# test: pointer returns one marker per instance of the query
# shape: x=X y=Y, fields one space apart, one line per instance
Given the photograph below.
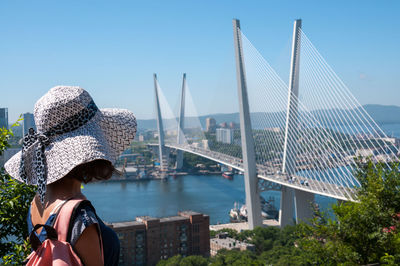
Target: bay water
x=210 y=194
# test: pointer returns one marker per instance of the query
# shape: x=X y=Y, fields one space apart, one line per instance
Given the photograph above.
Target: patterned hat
x=71 y=130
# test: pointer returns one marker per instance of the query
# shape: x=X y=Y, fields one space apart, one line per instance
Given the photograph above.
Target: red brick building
x=147 y=240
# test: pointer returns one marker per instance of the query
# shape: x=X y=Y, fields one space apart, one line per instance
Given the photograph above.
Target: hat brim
x=105 y=136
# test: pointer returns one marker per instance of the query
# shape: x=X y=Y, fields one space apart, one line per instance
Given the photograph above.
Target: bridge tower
x=302 y=199
x=249 y=158
x=161 y=144
x=181 y=125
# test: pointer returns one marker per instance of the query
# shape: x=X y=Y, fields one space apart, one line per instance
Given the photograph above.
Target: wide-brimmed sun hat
x=71 y=130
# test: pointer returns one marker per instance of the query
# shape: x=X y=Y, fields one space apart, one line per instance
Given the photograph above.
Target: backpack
x=56 y=250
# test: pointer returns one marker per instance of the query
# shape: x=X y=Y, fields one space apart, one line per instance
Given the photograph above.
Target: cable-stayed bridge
x=301 y=138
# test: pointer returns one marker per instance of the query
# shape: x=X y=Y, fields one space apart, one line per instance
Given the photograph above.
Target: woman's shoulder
x=85 y=216
x=82 y=217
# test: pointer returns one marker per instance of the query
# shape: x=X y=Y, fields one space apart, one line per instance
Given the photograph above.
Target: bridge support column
x=303 y=199
x=249 y=158
x=161 y=145
x=166 y=158
x=304 y=205
x=181 y=125
x=286 y=210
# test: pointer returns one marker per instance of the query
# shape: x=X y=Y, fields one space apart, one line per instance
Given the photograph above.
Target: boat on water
x=243 y=212
x=228 y=175
x=142 y=175
x=236 y=214
x=268 y=211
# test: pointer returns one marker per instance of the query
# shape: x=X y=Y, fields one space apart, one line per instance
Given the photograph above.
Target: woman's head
x=72 y=130
x=91 y=171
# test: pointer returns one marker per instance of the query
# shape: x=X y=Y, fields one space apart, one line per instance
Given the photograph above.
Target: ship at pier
x=268 y=211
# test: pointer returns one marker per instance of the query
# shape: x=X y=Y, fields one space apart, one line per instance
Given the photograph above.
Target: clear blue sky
x=112 y=48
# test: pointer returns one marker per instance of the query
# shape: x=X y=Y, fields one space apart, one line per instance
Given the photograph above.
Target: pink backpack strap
x=63 y=218
x=61 y=224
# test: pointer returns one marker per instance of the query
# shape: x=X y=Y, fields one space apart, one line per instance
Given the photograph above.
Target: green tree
x=236 y=258
x=15 y=198
x=366 y=231
x=191 y=160
x=178 y=260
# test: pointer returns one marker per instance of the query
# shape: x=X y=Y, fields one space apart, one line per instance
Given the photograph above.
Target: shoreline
x=177 y=174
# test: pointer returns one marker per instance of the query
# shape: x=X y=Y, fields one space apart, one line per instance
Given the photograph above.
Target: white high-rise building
x=211 y=124
x=29 y=122
x=225 y=135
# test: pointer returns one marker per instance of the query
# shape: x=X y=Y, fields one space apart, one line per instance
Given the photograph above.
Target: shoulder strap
x=62 y=223
x=35 y=241
x=63 y=218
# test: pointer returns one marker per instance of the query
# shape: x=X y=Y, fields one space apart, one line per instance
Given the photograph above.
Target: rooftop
x=140 y=220
x=241 y=226
x=190 y=213
x=125 y=224
x=229 y=243
x=173 y=218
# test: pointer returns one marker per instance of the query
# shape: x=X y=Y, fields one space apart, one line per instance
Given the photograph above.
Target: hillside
x=382 y=114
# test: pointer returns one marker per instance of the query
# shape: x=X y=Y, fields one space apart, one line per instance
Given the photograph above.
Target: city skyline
x=106 y=47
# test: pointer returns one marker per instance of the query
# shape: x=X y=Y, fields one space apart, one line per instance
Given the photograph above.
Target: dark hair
x=97 y=170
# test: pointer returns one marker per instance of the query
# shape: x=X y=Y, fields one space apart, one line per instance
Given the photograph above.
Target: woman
x=75 y=143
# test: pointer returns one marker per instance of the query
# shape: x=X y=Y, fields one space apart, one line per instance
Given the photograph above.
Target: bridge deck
x=270 y=174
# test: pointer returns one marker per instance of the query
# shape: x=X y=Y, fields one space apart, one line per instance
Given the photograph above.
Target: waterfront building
x=28 y=122
x=211 y=125
x=388 y=139
x=273 y=129
x=4 y=118
x=365 y=152
x=205 y=144
x=148 y=240
x=222 y=241
x=225 y=135
x=223 y=125
x=397 y=143
x=232 y=125
x=196 y=145
x=171 y=132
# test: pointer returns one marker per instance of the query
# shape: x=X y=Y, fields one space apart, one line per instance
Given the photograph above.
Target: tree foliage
x=178 y=260
x=14 y=203
x=190 y=161
x=361 y=233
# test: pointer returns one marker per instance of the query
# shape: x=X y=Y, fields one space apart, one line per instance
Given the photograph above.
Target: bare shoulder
x=88 y=246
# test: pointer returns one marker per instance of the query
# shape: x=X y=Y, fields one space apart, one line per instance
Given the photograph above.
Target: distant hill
x=382 y=114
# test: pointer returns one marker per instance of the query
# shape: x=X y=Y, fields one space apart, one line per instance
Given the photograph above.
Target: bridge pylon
x=181 y=125
x=249 y=158
x=162 y=152
x=302 y=199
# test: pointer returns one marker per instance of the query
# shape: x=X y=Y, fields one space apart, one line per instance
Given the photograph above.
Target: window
x=120 y=235
x=196 y=249
x=196 y=228
x=183 y=237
